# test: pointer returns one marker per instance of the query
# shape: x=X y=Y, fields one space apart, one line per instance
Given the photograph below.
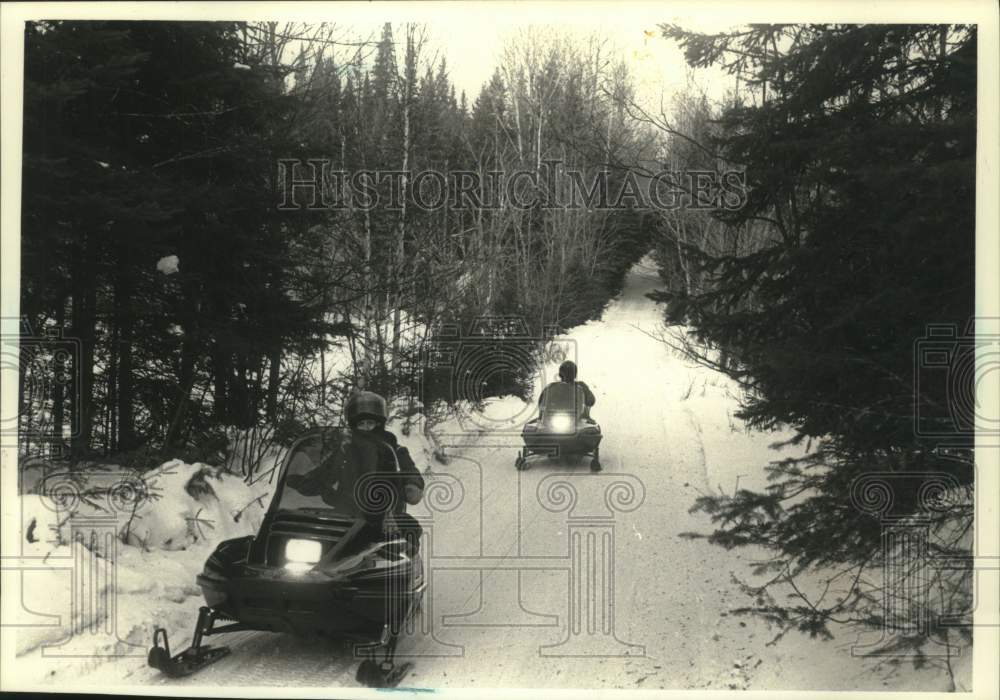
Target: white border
x=982 y=12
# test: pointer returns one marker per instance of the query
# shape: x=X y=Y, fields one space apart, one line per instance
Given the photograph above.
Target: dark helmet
x=567 y=371
x=365 y=404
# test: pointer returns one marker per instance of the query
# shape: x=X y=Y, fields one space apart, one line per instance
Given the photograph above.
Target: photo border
x=981 y=12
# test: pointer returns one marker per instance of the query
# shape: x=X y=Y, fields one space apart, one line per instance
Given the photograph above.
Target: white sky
x=471 y=39
x=657 y=64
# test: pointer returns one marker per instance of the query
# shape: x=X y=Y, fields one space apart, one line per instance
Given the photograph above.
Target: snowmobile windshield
x=323 y=469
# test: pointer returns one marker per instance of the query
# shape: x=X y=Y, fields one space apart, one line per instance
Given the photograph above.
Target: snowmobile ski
x=196 y=656
x=186 y=662
x=385 y=675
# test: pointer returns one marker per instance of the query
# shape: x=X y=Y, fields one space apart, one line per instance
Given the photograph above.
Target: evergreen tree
x=858 y=144
x=144 y=140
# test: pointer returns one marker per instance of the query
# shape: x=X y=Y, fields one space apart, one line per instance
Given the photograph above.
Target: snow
x=336 y=363
x=493 y=414
x=168 y=265
x=40 y=526
x=144 y=573
x=668 y=427
x=194 y=503
x=505 y=411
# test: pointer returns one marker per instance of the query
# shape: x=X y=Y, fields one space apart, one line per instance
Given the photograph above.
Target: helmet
x=567 y=371
x=365 y=404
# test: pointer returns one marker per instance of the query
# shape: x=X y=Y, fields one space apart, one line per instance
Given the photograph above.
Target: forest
x=149 y=141
x=172 y=305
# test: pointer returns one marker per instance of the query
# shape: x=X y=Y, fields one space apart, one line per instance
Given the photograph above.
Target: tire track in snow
x=700 y=444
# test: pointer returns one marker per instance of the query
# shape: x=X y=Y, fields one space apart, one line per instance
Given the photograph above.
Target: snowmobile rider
x=366 y=413
x=567 y=374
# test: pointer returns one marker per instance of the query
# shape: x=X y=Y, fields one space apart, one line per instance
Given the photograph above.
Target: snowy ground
x=502 y=591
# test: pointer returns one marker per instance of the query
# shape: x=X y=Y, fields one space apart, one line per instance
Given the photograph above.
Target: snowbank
x=170 y=508
x=117 y=554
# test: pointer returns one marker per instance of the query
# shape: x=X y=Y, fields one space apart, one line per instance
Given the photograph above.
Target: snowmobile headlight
x=302 y=552
x=562 y=423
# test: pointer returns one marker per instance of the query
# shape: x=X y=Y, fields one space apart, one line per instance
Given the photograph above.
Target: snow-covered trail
x=493 y=608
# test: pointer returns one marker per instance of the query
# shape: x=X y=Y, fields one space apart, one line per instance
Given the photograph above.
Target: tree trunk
x=409 y=71
x=322 y=375
x=367 y=317
x=185 y=384
x=124 y=323
x=84 y=318
x=942 y=57
x=241 y=392
x=190 y=342
x=273 y=381
x=401 y=228
x=220 y=378
x=680 y=237
x=60 y=371
x=517 y=122
x=111 y=393
x=538 y=144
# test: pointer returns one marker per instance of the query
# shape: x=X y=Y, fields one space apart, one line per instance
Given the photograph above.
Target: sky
x=471 y=39
x=657 y=64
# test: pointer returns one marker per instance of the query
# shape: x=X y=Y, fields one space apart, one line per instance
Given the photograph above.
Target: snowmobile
x=326 y=560
x=562 y=430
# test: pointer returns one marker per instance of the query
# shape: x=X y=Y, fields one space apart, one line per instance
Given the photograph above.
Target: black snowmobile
x=325 y=561
x=562 y=430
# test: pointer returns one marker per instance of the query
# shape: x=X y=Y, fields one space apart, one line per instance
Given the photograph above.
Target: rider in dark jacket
x=567 y=374
x=366 y=413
